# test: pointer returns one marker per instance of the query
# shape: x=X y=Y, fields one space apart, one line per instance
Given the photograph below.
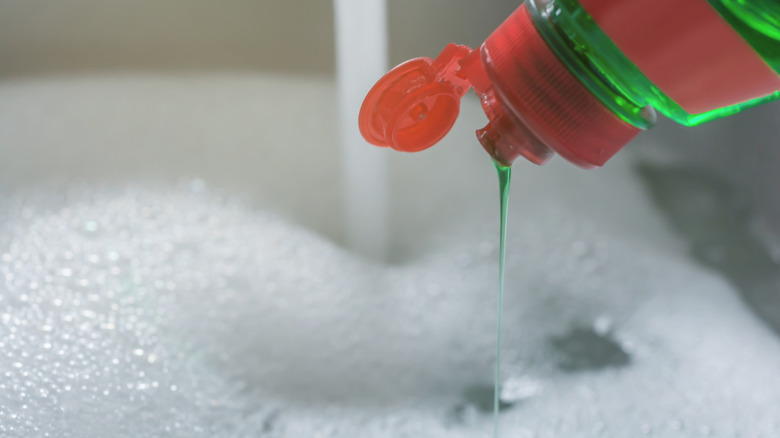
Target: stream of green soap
x=504 y=177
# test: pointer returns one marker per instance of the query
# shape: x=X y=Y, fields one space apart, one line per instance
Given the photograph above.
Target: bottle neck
x=536 y=104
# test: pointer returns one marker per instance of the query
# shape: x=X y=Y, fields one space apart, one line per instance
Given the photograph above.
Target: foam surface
x=148 y=310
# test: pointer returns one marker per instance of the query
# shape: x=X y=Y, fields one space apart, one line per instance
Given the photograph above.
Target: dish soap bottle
x=581 y=78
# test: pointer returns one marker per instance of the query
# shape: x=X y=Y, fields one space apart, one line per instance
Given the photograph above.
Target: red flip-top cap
x=414 y=105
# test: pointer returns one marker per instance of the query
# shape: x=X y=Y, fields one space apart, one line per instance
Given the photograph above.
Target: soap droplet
x=516 y=389
x=90 y=226
x=602 y=325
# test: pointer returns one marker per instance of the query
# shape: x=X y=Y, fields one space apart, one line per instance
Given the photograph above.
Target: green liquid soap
x=504 y=177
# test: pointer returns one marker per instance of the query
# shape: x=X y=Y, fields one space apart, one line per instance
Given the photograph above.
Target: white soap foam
x=149 y=311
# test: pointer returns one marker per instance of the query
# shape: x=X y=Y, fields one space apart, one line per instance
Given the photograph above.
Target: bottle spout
x=505 y=138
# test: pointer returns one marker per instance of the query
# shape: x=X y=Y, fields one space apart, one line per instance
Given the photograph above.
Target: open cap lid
x=415 y=105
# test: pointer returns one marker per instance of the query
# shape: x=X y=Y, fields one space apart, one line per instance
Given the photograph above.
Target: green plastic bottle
x=581 y=78
x=751 y=29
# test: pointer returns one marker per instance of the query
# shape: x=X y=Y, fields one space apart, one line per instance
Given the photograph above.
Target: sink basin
x=172 y=264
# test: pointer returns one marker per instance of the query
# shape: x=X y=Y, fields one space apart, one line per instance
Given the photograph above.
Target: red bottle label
x=687 y=50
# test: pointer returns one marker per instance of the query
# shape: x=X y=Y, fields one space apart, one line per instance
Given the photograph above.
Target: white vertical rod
x=361 y=51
